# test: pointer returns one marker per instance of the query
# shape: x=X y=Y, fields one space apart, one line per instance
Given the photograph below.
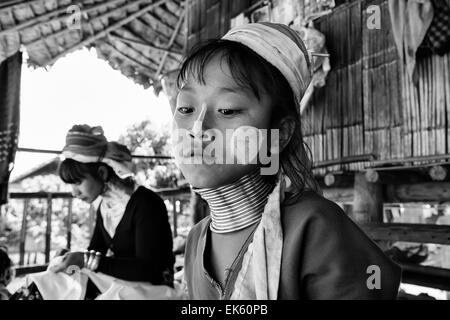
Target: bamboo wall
x=209 y=19
x=369 y=105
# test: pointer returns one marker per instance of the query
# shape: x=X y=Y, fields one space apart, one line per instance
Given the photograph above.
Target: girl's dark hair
x=251 y=71
x=5 y=267
x=73 y=172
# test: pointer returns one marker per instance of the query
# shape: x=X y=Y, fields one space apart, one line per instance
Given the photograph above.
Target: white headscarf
x=282 y=47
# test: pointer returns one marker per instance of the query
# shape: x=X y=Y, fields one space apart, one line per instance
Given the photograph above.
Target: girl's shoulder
x=312 y=215
x=312 y=206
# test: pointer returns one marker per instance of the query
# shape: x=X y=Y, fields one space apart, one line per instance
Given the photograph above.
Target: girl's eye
x=185 y=110
x=228 y=112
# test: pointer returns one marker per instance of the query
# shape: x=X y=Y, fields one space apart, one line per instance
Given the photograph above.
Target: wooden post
x=419 y=192
x=23 y=232
x=368 y=200
x=69 y=223
x=174 y=204
x=48 y=231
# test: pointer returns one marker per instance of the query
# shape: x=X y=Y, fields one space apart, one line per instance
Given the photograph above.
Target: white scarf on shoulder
x=259 y=276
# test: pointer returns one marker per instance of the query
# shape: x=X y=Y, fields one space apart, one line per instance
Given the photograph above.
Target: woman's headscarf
x=282 y=47
x=88 y=144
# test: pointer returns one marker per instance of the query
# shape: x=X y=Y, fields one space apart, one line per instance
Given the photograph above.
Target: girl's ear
x=103 y=173
x=287 y=128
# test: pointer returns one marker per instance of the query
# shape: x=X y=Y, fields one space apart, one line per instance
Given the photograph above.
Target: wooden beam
x=132 y=49
x=186 y=21
x=59 y=152
x=42 y=20
x=419 y=192
x=344 y=195
x=377 y=163
x=12 y=3
x=171 y=41
x=95 y=19
x=40 y=195
x=344 y=160
x=426 y=276
x=145 y=44
x=109 y=29
x=31 y=22
x=397 y=177
x=21 y=271
x=408 y=232
x=150 y=71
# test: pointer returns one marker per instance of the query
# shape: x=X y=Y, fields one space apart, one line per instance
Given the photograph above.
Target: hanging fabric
x=10 y=73
x=437 y=39
x=410 y=20
x=314 y=42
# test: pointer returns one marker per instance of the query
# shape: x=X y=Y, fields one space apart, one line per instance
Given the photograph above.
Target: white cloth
x=112 y=208
x=282 y=47
x=259 y=276
x=123 y=169
x=62 y=286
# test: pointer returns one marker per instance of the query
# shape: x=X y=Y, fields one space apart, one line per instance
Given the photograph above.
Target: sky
x=79 y=89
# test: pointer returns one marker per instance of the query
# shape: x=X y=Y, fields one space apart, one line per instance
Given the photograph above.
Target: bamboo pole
x=23 y=232
x=31 y=150
x=132 y=60
x=171 y=41
x=48 y=231
x=106 y=31
x=174 y=205
x=12 y=3
x=69 y=223
x=84 y=12
x=145 y=44
x=186 y=21
x=95 y=19
x=31 y=22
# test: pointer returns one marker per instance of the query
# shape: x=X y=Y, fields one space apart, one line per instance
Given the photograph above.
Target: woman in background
x=132 y=239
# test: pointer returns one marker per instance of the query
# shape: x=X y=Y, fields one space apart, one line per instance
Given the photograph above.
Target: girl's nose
x=203 y=122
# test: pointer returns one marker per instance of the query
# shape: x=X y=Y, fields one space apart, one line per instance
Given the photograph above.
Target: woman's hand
x=70 y=259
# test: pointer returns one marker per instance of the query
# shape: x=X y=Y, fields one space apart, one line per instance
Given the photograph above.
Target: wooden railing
x=174 y=195
x=427 y=276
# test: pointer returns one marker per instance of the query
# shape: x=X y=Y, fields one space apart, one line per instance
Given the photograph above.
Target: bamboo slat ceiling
x=144 y=39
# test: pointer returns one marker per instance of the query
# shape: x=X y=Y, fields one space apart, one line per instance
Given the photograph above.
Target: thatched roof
x=144 y=39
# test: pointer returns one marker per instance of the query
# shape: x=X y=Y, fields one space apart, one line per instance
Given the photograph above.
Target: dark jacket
x=325 y=256
x=142 y=243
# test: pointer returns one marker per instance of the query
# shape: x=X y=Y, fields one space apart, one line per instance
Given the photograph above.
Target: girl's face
x=88 y=189
x=222 y=105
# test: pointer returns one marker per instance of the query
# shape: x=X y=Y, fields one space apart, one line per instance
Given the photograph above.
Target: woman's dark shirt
x=142 y=243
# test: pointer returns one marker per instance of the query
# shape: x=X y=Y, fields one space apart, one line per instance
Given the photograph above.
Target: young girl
x=132 y=239
x=267 y=237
